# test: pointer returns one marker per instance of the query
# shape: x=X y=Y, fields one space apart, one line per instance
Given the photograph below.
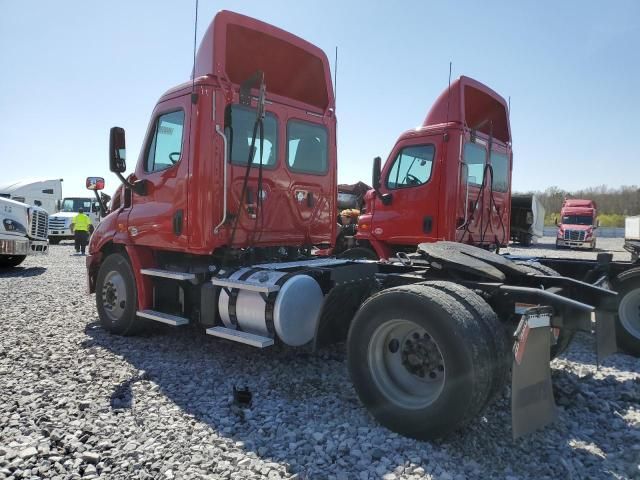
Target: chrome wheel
x=406 y=364
x=114 y=296
x=629 y=312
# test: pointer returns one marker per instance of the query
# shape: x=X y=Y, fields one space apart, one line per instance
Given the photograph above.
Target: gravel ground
x=546 y=247
x=76 y=402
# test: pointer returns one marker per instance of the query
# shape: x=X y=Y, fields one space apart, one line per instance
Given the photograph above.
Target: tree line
x=613 y=203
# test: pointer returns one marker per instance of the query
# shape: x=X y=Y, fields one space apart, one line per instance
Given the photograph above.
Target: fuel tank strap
x=270 y=302
x=233 y=297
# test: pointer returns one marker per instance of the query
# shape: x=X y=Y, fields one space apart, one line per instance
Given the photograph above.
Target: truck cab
x=449 y=179
x=60 y=223
x=578 y=224
x=23 y=231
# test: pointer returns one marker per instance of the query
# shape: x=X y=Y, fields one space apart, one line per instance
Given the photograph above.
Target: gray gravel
x=76 y=402
x=546 y=247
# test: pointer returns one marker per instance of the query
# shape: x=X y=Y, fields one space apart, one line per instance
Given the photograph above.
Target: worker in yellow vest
x=80 y=226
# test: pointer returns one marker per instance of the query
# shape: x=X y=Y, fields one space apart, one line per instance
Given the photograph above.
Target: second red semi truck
x=578 y=224
x=235 y=190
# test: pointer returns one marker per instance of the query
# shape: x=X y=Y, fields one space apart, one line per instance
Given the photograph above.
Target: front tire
x=419 y=361
x=54 y=240
x=117 y=297
x=9 y=261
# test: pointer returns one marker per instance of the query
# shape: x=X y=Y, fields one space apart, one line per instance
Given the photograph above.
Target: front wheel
x=54 y=240
x=8 y=261
x=419 y=361
x=116 y=296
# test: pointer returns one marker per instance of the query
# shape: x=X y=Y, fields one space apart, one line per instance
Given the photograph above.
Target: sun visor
x=474 y=105
x=235 y=46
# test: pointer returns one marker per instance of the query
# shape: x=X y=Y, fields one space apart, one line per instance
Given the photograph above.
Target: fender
x=139 y=258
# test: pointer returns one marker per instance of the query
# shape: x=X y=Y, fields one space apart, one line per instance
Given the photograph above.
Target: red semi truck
x=578 y=224
x=449 y=179
x=235 y=187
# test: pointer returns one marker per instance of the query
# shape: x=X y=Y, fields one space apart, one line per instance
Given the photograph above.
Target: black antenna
x=449 y=92
x=509 y=112
x=194 y=96
x=335 y=76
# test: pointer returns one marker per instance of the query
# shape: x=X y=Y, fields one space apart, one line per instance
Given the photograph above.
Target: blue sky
x=72 y=69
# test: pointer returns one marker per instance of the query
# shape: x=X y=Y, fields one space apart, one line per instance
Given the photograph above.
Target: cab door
x=159 y=218
x=406 y=210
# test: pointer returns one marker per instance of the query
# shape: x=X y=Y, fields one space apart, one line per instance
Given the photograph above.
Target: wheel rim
x=114 y=296
x=406 y=364
x=629 y=312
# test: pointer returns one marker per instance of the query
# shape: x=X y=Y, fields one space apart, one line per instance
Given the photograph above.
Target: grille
x=575 y=235
x=57 y=223
x=39 y=224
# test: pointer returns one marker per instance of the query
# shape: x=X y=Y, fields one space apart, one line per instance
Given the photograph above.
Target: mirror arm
x=139 y=186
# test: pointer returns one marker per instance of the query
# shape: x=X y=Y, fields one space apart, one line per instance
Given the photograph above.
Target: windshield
x=74 y=204
x=577 y=219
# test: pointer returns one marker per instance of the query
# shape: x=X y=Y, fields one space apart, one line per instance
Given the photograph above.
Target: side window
x=500 y=164
x=18 y=199
x=48 y=190
x=306 y=147
x=239 y=132
x=166 y=147
x=411 y=167
x=474 y=157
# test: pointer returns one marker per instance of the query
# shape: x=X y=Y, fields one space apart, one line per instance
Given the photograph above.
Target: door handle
x=177 y=222
x=427 y=224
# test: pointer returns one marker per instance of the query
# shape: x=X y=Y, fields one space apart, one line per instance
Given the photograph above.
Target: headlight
x=13 y=226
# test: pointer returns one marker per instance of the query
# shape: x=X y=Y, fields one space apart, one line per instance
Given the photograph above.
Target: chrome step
x=167 y=318
x=158 y=272
x=240 y=337
x=245 y=285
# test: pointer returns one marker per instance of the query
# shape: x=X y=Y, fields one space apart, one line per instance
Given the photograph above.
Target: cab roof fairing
x=235 y=46
x=474 y=105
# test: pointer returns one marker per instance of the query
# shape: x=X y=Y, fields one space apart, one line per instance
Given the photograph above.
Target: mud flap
x=532 y=402
x=606 y=343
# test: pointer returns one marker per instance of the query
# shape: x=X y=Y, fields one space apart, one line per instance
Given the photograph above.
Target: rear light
x=363 y=226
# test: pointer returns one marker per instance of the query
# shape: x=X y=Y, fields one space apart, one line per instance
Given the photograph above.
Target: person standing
x=80 y=227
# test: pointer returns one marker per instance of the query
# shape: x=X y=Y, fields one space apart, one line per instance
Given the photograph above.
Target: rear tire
x=9 y=261
x=117 y=297
x=493 y=329
x=628 y=314
x=398 y=340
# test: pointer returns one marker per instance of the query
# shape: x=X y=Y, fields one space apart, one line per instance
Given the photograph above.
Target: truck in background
x=527 y=219
x=232 y=194
x=23 y=231
x=578 y=224
x=449 y=179
x=60 y=223
x=44 y=193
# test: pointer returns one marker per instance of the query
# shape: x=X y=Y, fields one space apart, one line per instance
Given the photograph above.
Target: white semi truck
x=60 y=223
x=23 y=231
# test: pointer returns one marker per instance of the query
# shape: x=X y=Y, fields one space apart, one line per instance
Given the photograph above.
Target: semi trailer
x=45 y=193
x=234 y=193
